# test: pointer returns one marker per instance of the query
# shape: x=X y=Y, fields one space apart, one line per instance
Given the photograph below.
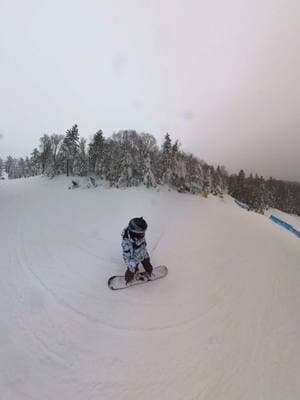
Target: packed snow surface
x=224 y=324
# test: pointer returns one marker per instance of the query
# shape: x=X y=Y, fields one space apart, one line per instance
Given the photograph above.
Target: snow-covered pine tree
x=207 y=179
x=166 y=160
x=82 y=158
x=129 y=173
x=56 y=164
x=249 y=189
x=238 y=187
x=263 y=195
x=96 y=154
x=285 y=196
x=125 y=178
x=145 y=159
x=253 y=191
x=126 y=167
x=296 y=186
x=177 y=166
x=28 y=170
x=149 y=178
x=10 y=167
x=194 y=180
x=181 y=170
x=20 y=168
x=270 y=193
x=35 y=162
x=1 y=168
x=111 y=155
x=223 y=178
x=70 y=148
x=216 y=182
x=254 y=195
x=45 y=153
x=155 y=163
x=291 y=199
x=281 y=193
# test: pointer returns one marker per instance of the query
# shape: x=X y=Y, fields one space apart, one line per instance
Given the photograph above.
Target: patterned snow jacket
x=134 y=251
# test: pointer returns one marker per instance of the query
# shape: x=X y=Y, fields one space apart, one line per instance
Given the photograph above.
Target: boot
x=147 y=266
x=129 y=276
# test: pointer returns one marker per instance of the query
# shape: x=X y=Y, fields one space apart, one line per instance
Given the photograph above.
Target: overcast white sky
x=220 y=76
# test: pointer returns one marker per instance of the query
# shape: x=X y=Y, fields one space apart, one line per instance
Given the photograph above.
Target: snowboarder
x=135 y=248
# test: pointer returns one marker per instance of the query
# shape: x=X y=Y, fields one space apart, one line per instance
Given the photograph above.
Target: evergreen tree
x=251 y=191
x=20 y=168
x=56 y=160
x=82 y=158
x=297 y=198
x=35 y=162
x=193 y=178
x=28 y=169
x=237 y=186
x=223 y=176
x=127 y=166
x=269 y=193
x=111 y=155
x=45 y=152
x=216 y=182
x=70 y=149
x=241 y=190
x=96 y=154
x=149 y=178
x=207 y=179
x=1 y=168
x=10 y=167
x=254 y=193
x=146 y=156
x=146 y=144
x=166 y=160
x=177 y=166
x=182 y=172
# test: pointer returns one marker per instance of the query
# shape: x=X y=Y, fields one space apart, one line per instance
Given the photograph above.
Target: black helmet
x=137 y=227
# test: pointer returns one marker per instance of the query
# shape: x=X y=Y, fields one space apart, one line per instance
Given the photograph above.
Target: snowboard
x=118 y=281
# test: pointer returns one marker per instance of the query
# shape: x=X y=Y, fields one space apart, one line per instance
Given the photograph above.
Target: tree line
x=128 y=158
x=260 y=194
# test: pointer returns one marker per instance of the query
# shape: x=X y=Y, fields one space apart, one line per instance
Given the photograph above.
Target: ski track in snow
x=223 y=324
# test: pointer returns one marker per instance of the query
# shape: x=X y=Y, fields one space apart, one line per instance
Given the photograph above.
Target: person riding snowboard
x=135 y=248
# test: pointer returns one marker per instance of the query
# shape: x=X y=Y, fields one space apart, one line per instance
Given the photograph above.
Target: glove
x=132 y=266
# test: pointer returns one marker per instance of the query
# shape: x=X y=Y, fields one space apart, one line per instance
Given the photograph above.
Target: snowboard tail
x=118 y=281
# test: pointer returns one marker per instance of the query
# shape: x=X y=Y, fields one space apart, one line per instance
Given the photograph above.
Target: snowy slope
x=224 y=324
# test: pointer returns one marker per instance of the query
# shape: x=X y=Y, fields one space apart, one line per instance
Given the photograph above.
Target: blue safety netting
x=285 y=225
x=242 y=205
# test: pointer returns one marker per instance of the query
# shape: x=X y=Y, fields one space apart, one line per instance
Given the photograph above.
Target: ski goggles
x=137 y=235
